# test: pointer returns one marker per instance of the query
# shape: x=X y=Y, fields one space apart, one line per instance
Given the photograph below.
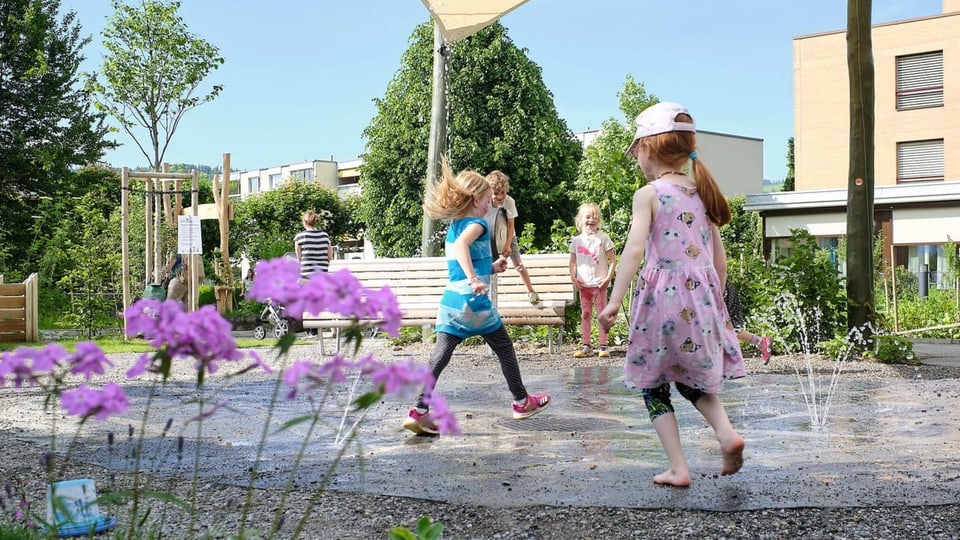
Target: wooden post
x=148 y=236
x=125 y=240
x=893 y=282
x=195 y=259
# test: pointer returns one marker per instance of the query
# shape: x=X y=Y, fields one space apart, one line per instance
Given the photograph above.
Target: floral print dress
x=679 y=327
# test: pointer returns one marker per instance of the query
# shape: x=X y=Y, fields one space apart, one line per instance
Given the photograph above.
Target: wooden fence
x=18 y=310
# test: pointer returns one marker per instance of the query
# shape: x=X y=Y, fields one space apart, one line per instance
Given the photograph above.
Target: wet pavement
x=886 y=441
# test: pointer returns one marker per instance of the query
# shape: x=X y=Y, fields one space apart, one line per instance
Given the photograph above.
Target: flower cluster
x=47 y=366
x=204 y=337
x=336 y=292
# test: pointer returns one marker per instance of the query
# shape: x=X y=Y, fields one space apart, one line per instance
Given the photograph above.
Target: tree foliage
x=501 y=116
x=606 y=176
x=47 y=123
x=94 y=262
x=152 y=72
x=790 y=182
x=264 y=224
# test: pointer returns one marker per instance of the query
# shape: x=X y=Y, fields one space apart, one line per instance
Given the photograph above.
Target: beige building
x=735 y=161
x=916 y=143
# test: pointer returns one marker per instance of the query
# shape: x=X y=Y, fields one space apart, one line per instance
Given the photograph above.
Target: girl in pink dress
x=680 y=331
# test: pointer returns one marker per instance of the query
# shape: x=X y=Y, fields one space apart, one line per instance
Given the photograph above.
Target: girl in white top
x=592 y=263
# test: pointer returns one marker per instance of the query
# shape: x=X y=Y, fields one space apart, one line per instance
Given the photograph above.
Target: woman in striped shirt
x=312 y=246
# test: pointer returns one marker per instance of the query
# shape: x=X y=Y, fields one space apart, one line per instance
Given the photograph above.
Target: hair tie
x=693 y=155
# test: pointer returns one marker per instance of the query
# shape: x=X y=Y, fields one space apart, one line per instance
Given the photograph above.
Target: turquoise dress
x=464 y=313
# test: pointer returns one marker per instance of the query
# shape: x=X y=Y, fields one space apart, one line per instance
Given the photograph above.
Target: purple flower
x=85 y=401
x=335 y=369
x=259 y=363
x=88 y=359
x=441 y=415
x=276 y=280
x=400 y=378
x=301 y=369
x=27 y=364
x=202 y=335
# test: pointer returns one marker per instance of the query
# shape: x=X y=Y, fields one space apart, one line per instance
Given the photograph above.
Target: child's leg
x=586 y=314
x=664 y=422
x=499 y=342
x=518 y=264
x=748 y=337
x=731 y=443
x=601 y=300
x=439 y=358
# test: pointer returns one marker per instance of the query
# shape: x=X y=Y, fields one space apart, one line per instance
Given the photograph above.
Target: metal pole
x=438 y=132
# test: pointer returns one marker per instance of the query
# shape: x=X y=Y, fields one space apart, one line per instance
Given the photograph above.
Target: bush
x=891 y=349
x=207 y=295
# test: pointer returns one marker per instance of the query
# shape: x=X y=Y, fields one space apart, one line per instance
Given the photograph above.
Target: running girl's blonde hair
x=585 y=210
x=673 y=150
x=452 y=196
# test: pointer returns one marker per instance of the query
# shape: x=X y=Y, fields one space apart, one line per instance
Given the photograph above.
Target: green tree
x=606 y=176
x=790 y=183
x=152 y=70
x=860 y=217
x=47 y=123
x=264 y=224
x=501 y=116
x=93 y=274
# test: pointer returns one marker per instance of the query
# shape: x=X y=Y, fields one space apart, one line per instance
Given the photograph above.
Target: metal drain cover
x=548 y=422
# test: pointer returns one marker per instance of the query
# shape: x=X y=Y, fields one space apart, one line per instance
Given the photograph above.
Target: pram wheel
x=281 y=328
x=259 y=332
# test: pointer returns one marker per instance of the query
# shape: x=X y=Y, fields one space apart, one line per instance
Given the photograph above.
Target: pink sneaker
x=765 y=344
x=420 y=423
x=534 y=404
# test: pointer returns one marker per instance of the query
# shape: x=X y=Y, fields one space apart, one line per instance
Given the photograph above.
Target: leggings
x=657 y=398
x=499 y=342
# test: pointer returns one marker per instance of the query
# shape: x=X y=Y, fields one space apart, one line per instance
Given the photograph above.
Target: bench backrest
x=418 y=282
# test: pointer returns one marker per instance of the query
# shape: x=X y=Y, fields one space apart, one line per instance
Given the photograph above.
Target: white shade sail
x=459 y=19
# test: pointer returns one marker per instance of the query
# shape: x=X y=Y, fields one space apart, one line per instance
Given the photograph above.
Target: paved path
x=885 y=442
x=893 y=441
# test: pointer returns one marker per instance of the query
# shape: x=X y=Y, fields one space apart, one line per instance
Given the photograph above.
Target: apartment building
x=916 y=143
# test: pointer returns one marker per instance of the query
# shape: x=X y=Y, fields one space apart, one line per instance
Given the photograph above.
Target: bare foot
x=672 y=478
x=732 y=454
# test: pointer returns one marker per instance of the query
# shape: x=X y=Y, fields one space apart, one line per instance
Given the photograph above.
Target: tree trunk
x=860 y=184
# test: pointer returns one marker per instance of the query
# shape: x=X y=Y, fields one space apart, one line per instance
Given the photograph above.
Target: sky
x=300 y=76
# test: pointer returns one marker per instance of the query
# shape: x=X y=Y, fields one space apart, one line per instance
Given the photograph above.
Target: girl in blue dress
x=466 y=309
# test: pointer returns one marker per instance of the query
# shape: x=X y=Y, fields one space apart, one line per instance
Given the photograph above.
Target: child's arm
x=719 y=255
x=611 y=268
x=511 y=233
x=461 y=251
x=644 y=206
x=573 y=270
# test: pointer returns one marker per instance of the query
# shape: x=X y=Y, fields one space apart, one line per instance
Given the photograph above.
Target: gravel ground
x=350 y=515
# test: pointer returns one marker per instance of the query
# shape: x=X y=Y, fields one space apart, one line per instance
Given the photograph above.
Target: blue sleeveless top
x=463 y=313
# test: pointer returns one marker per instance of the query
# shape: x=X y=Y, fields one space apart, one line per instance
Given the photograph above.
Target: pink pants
x=590 y=297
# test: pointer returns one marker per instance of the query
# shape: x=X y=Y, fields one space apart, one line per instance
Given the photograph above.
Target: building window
x=920 y=81
x=253 y=184
x=303 y=175
x=920 y=161
x=934 y=258
x=274 y=181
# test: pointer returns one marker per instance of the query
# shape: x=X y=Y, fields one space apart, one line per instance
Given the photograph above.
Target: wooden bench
x=419 y=282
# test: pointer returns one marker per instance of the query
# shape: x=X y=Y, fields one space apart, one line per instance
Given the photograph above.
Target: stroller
x=271 y=315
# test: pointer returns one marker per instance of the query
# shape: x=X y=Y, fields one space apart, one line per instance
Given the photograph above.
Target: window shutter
x=920 y=81
x=920 y=161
